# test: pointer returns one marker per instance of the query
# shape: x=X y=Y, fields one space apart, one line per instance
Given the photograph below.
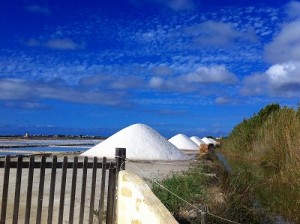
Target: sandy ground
x=155 y=170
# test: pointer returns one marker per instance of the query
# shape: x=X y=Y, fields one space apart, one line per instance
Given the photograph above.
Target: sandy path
x=149 y=170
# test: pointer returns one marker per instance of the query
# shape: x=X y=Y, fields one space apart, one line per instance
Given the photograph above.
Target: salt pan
x=141 y=143
x=181 y=141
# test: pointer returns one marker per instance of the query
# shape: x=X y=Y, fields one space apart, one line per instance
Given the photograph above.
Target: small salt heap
x=207 y=141
x=181 y=141
x=214 y=142
x=197 y=140
x=141 y=143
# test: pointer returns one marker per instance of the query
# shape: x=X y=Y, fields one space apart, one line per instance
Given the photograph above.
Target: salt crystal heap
x=197 y=140
x=207 y=141
x=141 y=143
x=181 y=141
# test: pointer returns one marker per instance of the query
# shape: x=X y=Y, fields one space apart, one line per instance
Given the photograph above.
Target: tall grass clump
x=268 y=144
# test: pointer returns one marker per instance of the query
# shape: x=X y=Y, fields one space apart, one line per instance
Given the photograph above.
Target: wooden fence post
x=41 y=190
x=93 y=187
x=120 y=158
x=73 y=190
x=17 y=190
x=52 y=190
x=29 y=190
x=83 y=190
x=102 y=192
x=62 y=191
x=5 y=189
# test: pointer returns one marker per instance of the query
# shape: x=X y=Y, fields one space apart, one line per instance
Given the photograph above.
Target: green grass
x=189 y=186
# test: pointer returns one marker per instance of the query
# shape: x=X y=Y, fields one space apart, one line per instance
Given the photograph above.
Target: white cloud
x=58 y=44
x=175 y=5
x=24 y=105
x=14 y=89
x=200 y=78
x=162 y=70
x=284 y=73
x=27 y=91
x=156 y=82
x=114 y=82
x=280 y=80
x=218 y=33
x=222 y=100
x=214 y=74
x=284 y=79
x=63 y=44
x=38 y=9
x=178 y=5
x=293 y=9
x=286 y=45
x=255 y=84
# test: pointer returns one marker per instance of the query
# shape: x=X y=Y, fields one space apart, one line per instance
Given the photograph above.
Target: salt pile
x=197 y=140
x=214 y=141
x=207 y=141
x=141 y=143
x=181 y=141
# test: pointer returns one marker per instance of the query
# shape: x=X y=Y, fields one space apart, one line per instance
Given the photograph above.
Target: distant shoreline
x=17 y=137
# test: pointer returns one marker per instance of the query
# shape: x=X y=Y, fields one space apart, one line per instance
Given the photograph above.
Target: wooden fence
x=103 y=207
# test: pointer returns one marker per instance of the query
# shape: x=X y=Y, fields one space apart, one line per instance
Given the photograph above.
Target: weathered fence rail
x=26 y=173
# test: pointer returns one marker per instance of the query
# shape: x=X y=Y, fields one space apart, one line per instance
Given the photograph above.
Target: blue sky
x=180 y=66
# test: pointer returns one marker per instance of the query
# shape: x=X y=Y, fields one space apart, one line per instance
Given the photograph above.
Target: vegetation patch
x=264 y=152
x=184 y=189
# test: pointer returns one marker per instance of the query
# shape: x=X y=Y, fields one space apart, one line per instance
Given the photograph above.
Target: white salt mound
x=181 y=141
x=214 y=141
x=197 y=140
x=207 y=140
x=141 y=143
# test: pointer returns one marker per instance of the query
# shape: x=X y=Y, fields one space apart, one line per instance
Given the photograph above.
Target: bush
x=269 y=145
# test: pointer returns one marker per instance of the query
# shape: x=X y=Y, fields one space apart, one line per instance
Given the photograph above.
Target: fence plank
x=83 y=189
x=41 y=191
x=17 y=190
x=5 y=188
x=29 y=189
x=62 y=191
x=93 y=187
x=111 y=195
x=102 y=192
x=73 y=190
x=52 y=190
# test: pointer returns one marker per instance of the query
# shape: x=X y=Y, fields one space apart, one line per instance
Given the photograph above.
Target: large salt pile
x=181 y=141
x=197 y=140
x=141 y=143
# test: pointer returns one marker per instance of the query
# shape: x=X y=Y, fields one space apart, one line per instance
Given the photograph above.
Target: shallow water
x=28 y=147
x=31 y=150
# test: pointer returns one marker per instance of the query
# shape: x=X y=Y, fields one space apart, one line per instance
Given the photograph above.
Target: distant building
x=26 y=135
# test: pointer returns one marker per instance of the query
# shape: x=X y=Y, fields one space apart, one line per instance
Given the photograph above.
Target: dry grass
x=269 y=169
